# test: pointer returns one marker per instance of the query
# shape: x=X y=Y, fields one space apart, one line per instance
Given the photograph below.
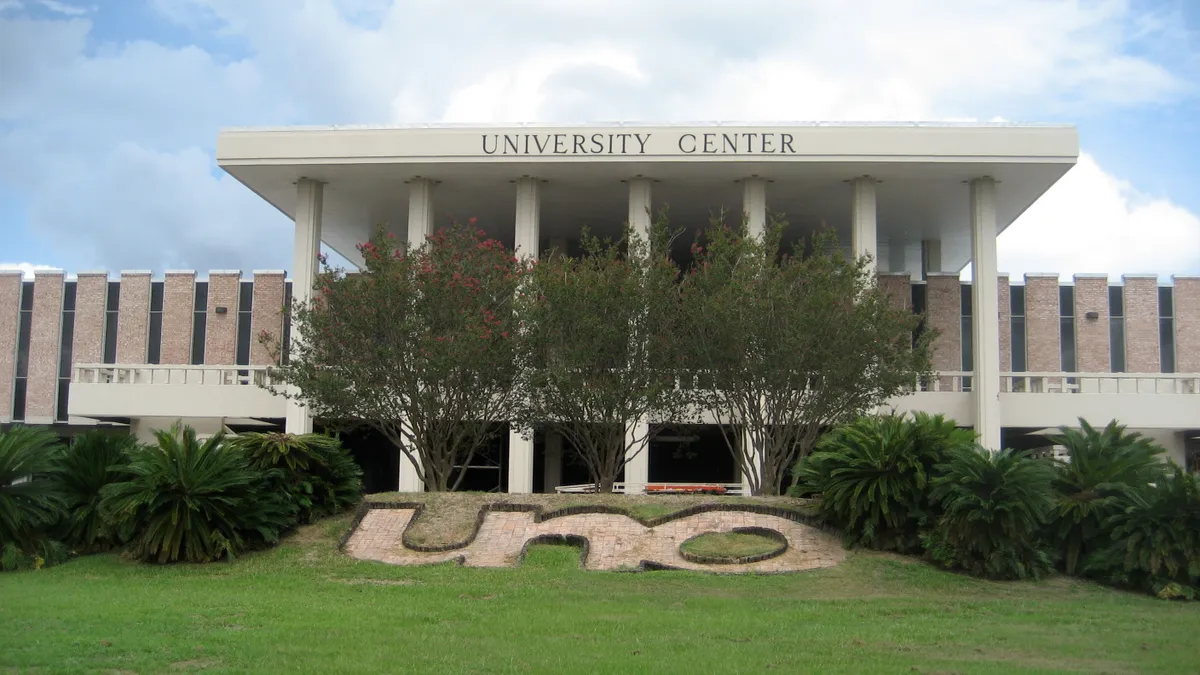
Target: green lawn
x=303 y=607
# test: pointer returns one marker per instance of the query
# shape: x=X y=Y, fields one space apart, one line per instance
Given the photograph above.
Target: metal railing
x=1068 y=383
x=104 y=373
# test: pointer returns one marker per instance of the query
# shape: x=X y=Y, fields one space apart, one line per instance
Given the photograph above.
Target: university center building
x=1015 y=357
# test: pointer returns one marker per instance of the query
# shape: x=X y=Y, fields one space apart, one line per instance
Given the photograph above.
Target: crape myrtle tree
x=786 y=342
x=420 y=346
x=597 y=330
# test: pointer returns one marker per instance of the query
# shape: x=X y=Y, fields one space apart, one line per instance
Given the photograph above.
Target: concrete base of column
x=637 y=466
x=297 y=420
x=410 y=475
x=520 y=463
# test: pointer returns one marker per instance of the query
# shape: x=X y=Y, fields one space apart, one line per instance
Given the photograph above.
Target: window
x=287 y=322
x=1166 y=328
x=1066 y=313
x=154 y=350
x=1116 y=329
x=64 y=351
x=245 y=307
x=199 y=315
x=968 y=342
x=1016 y=302
x=918 y=307
x=112 y=307
x=24 y=329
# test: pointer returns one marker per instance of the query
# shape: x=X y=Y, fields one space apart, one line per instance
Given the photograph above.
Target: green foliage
x=992 y=506
x=315 y=472
x=194 y=501
x=30 y=499
x=1154 y=538
x=873 y=476
x=1088 y=487
x=91 y=461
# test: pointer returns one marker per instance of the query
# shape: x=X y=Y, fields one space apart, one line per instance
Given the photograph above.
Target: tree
x=420 y=347
x=788 y=342
x=597 y=330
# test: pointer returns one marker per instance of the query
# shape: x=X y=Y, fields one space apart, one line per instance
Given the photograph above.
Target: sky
x=110 y=109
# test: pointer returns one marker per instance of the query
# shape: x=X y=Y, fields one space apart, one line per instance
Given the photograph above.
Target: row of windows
x=111 y=323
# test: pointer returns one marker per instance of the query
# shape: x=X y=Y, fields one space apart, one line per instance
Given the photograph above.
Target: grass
x=729 y=545
x=304 y=607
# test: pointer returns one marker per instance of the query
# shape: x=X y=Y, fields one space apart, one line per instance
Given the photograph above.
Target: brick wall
x=1187 y=324
x=179 y=297
x=1005 y=307
x=1092 y=335
x=133 y=318
x=91 y=291
x=1141 y=323
x=10 y=309
x=943 y=313
x=267 y=314
x=220 y=340
x=44 y=341
x=1042 y=335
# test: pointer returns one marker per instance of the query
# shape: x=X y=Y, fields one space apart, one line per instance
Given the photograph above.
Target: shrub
x=1154 y=538
x=873 y=476
x=30 y=500
x=1087 y=488
x=194 y=501
x=92 y=460
x=992 y=509
x=315 y=472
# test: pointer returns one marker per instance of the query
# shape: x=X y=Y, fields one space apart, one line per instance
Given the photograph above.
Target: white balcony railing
x=100 y=373
x=1069 y=383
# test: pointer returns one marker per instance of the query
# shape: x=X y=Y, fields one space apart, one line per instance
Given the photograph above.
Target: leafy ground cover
x=304 y=607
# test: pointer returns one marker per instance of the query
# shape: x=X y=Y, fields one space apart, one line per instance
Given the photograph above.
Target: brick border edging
x=539 y=516
x=781 y=547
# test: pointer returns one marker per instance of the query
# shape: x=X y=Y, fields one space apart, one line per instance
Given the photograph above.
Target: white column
x=420 y=211
x=931 y=257
x=639 y=206
x=637 y=457
x=985 y=317
x=526 y=237
x=306 y=248
x=552 y=473
x=863 y=235
x=411 y=479
x=754 y=205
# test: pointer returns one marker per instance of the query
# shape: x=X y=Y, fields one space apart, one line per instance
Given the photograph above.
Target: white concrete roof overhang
x=922 y=195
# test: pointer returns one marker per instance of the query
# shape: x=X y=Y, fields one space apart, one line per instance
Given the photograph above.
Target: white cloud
x=1091 y=221
x=64 y=8
x=28 y=270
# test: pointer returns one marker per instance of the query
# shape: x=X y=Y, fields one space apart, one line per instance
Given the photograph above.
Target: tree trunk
x=606 y=484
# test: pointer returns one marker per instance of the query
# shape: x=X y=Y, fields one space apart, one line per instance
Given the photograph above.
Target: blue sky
x=109 y=109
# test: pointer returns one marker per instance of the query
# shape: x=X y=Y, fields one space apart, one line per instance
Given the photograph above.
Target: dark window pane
x=26 y=295
x=1116 y=341
x=287 y=322
x=154 y=350
x=1018 y=344
x=1116 y=301
x=1166 y=304
x=24 y=330
x=965 y=299
x=968 y=352
x=1016 y=300
x=246 y=296
x=1068 y=345
x=114 y=296
x=1166 y=345
x=65 y=344
x=243 y=338
x=201 y=304
x=18 y=411
x=110 y=337
x=918 y=298
x=69 y=296
x=156 y=296
x=198 y=339
x=64 y=396
x=1066 y=301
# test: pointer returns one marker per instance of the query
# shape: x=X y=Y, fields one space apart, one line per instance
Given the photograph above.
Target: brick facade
x=91 y=293
x=179 y=298
x=220 y=340
x=1043 y=347
x=267 y=314
x=10 y=310
x=133 y=319
x=1092 y=335
x=44 y=339
x=1141 y=323
x=943 y=313
x=1005 y=310
x=1187 y=324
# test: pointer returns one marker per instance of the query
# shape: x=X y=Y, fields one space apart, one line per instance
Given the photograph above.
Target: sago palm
x=313 y=470
x=93 y=460
x=30 y=498
x=1101 y=465
x=993 y=506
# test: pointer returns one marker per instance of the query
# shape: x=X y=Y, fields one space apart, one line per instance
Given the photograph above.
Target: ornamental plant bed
x=741 y=546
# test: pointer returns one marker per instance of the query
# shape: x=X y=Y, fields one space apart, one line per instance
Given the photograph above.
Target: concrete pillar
x=420 y=211
x=985 y=316
x=410 y=472
x=639 y=206
x=552 y=473
x=526 y=238
x=863 y=238
x=637 y=457
x=931 y=257
x=754 y=205
x=307 y=246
